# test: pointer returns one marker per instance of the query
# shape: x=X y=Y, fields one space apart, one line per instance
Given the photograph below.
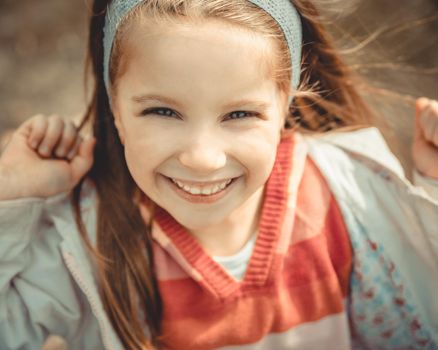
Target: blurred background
x=394 y=44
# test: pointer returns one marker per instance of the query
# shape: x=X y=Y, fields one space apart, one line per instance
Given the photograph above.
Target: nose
x=202 y=155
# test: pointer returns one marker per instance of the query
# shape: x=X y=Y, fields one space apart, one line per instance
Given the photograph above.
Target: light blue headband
x=281 y=10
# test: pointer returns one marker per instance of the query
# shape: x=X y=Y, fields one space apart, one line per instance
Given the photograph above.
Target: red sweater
x=293 y=292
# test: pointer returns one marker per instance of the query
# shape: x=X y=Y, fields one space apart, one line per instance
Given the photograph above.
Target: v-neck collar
x=209 y=273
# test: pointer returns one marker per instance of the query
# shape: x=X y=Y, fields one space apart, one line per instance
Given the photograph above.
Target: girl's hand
x=425 y=146
x=44 y=157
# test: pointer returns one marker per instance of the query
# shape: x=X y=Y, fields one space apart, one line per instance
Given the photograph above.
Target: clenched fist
x=44 y=157
x=425 y=145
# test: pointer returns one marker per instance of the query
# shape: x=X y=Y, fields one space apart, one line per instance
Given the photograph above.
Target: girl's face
x=200 y=117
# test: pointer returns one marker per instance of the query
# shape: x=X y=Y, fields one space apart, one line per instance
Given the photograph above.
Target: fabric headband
x=282 y=11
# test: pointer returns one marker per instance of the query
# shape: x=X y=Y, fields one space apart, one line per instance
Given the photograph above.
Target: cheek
x=258 y=154
x=140 y=155
x=137 y=165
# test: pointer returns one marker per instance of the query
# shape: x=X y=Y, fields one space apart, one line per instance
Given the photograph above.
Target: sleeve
x=428 y=184
x=37 y=294
x=393 y=231
x=394 y=280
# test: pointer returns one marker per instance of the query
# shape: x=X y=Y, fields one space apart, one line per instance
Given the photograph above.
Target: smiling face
x=199 y=116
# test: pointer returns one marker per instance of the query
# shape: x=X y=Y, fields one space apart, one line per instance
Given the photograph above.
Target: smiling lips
x=207 y=193
x=204 y=189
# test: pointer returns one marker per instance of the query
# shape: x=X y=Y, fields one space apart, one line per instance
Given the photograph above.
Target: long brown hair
x=326 y=99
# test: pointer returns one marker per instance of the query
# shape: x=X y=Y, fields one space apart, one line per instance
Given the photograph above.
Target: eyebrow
x=157 y=98
x=259 y=104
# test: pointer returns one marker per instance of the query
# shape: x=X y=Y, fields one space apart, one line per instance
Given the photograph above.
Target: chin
x=200 y=223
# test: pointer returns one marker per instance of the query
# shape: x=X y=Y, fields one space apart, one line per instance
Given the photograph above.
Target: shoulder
x=60 y=212
x=358 y=165
x=360 y=170
x=364 y=145
x=388 y=218
x=36 y=238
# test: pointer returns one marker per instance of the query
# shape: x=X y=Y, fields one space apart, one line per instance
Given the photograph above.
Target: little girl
x=200 y=215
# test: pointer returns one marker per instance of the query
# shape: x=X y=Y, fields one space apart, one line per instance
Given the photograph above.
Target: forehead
x=187 y=51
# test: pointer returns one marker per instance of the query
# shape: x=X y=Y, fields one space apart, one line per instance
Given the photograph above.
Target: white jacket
x=47 y=283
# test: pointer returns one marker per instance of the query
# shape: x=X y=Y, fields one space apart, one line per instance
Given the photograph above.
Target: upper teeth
x=205 y=190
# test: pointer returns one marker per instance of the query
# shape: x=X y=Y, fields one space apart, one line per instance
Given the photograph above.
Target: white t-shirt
x=236 y=264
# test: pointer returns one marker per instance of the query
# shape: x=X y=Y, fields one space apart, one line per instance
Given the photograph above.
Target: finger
x=67 y=140
x=426 y=124
x=434 y=138
x=421 y=106
x=83 y=161
x=429 y=121
x=75 y=148
x=34 y=129
x=52 y=135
